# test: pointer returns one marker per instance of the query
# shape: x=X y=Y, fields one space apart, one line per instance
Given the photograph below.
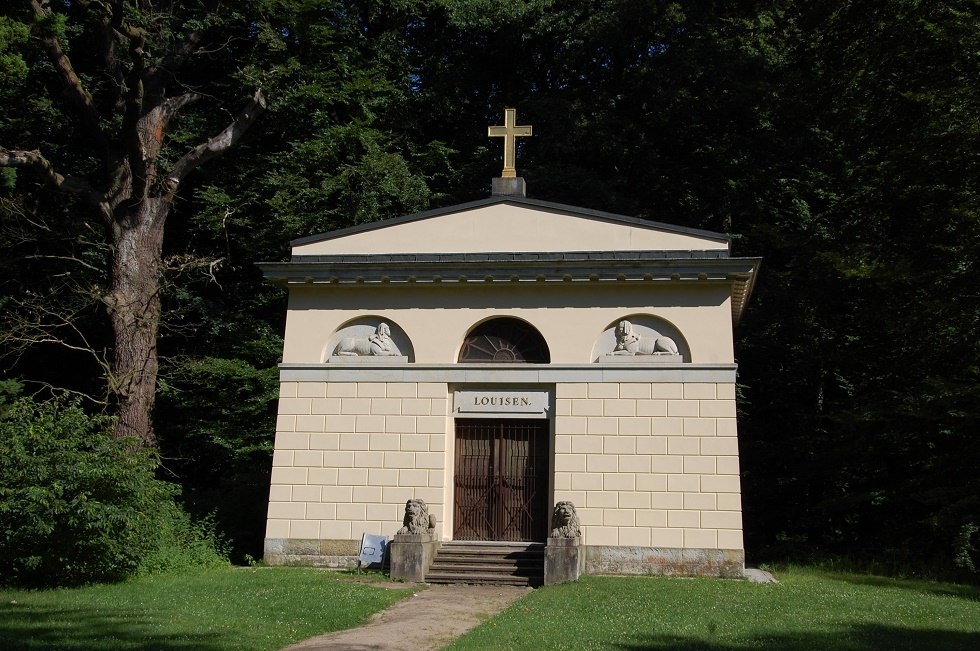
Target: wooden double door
x=501 y=479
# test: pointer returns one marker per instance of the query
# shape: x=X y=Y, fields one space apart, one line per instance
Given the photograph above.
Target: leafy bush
x=181 y=543
x=77 y=506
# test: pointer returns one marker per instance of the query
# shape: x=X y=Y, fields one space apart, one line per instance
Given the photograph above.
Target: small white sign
x=514 y=403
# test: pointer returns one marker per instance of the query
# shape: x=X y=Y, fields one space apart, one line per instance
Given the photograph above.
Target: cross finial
x=509 y=132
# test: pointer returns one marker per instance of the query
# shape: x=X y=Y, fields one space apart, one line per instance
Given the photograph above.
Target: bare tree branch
x=66 y=258
x=158 y=76
x=111 y=15
x=36 y=160
x=143 y=127
x=71 y=81
x=219 y=144
x=174 y=104
x=70 y=184
x=132 y=116
x=50 y=389
x=11 y=213
x=31 y=321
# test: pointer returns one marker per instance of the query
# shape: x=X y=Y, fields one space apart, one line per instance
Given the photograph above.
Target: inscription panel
x=514 y=403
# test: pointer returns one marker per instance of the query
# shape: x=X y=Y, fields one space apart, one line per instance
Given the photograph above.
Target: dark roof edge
x=553 y=266
x=513 y=257
x=480 y=203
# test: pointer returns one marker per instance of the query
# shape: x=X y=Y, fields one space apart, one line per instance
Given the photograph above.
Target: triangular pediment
x=510 y=224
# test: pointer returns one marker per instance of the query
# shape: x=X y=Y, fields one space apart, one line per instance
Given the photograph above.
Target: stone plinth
x=368 y=359
x=563 y=560
x=642 y=359
x=411 y=555
x=508 y=186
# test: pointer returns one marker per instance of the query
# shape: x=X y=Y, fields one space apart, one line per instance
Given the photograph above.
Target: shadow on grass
x=862 y=637
x=36 y=628
x=967 y=592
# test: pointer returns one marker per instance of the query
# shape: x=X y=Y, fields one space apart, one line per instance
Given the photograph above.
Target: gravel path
x=428 y=620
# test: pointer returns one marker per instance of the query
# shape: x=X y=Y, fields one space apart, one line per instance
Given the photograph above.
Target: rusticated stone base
x=413 y=556
x=334 y=554
x=664 y=561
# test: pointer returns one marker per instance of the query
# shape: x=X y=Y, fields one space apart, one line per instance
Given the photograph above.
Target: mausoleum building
x=497 y=357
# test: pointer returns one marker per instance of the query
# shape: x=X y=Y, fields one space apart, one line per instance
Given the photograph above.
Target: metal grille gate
x=501 y=480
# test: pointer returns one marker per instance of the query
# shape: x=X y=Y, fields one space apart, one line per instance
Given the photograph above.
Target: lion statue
x=564 y=521
x=631 y=343
x=417 y=519
x=378 y=344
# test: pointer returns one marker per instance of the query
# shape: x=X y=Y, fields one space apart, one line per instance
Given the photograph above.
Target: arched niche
x=646 y=343
x=504 y=340
x=369 y=339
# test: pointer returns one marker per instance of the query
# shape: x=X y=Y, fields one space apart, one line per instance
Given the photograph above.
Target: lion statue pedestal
x=563 y=557
x=415 y=545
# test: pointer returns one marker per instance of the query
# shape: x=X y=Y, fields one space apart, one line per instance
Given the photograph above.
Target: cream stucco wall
x=650 y=465
x=506 y=227
x=570 y=318
x=647 y=464
x=349 y=455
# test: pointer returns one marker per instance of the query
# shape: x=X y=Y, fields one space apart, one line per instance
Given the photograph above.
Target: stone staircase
x=502 y=563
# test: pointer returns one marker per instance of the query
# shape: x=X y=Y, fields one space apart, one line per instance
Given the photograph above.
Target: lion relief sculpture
x=378 y=344
x=417 y=519
x=564 y=521
x=628 y=342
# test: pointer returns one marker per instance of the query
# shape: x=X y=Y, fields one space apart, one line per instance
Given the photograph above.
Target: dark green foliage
x=861 y=349
x=218 y=419
x=77 y=506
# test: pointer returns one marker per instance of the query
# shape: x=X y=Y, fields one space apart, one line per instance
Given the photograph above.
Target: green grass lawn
x=214 y=610
x=807 y=610
x=268 y=608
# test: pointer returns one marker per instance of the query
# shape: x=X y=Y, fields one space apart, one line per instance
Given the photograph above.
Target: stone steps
x=488 y=563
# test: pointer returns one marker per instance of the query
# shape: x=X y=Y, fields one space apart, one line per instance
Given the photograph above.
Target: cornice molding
x=512 y=269
x=509 y=374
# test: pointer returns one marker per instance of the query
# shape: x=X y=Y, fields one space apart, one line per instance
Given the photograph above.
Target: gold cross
x=509 y=132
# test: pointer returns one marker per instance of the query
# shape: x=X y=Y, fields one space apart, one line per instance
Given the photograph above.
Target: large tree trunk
x=137 y=190
x=133 y=304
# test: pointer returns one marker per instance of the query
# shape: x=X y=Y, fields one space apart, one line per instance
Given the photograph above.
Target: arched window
x=505 y=340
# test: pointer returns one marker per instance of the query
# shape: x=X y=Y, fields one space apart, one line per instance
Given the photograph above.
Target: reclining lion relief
x=564 y=521
x=630 y=343
x=378 y=344
x=417 y=518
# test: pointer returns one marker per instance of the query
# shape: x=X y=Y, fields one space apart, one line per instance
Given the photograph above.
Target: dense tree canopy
x=836 y=139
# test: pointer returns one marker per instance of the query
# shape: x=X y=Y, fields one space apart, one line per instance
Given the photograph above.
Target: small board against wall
x=373 y=548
